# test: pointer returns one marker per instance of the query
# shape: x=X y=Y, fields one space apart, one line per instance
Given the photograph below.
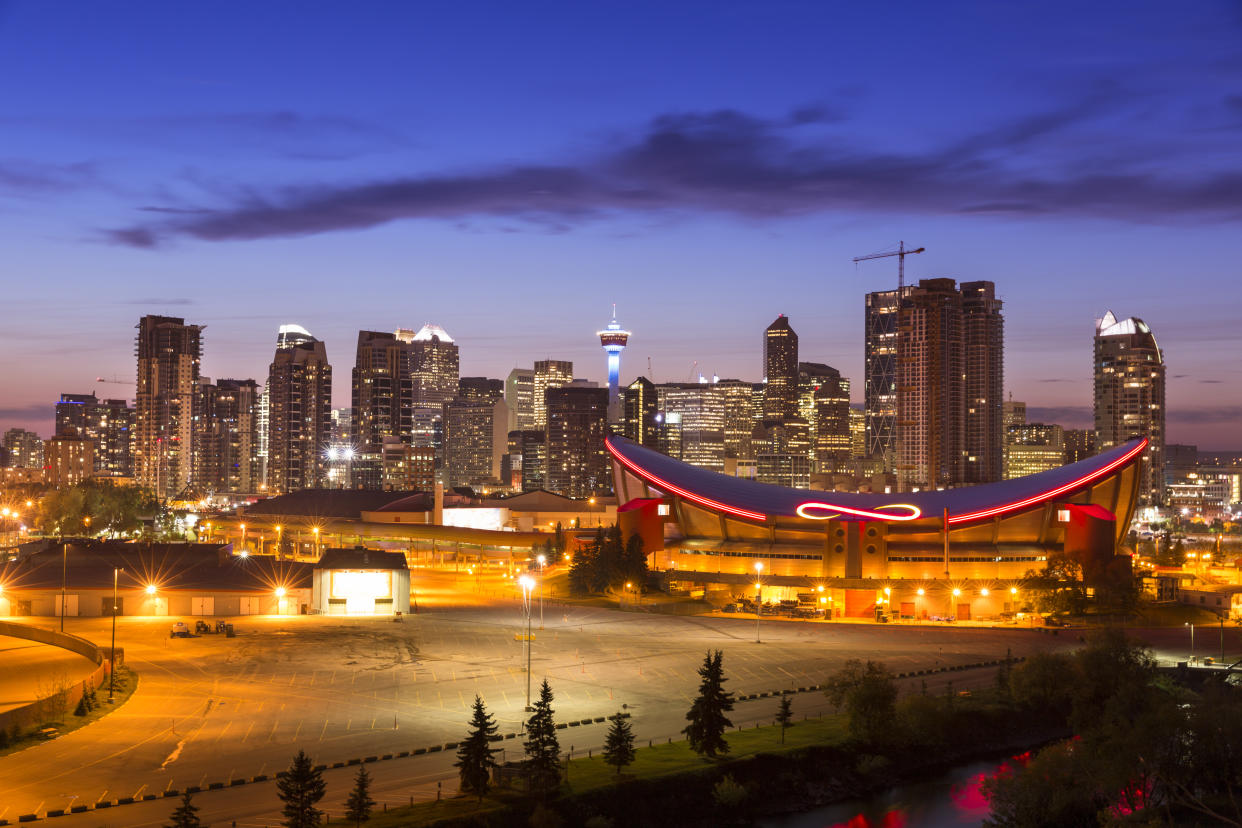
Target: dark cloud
x=32 y=178
x=1209 y=415
x=26 y=412
x=1211 y=381
x=179 y=300
x=733 y=163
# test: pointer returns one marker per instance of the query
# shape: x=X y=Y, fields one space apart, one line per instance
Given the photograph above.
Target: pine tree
x=707 y=715
x=186 y=815
x=475 y=758
x=784 y=715
x=300 y=788
x=359 y=804
x=619 y=744
x=543 y=752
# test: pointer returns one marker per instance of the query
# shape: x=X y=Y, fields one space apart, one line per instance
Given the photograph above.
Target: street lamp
x=542 y=559
x=280 y=547
x=116 y=573
x=315 y=545
x=1192 y=640
x=758 y=597
x=527 y=583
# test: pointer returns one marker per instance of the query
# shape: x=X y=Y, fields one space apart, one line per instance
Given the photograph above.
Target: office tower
x=226 y=425
x=739 y=417
x=528 y=458
x=342 y=422
x=858 y=433
x=481 y=389
x=577 y=424
x=68 y=460
x=780 y=370
x=1013 y=413
x=261 y=431
x=640 y=408
x=23 y=449
x=299 y=387
x=783 y=452
x=880 y=382
x=168 y=365
x=824 y=402
x=699 y=408
x=434 y=366
x=983 y=332
x=549 y=374
x=382 y=390
x=1129 y=395
x=108 y=424
x=613 y=338
x=520 y=395
x=475 y=440
x=1079 y=444
x=1034 y=448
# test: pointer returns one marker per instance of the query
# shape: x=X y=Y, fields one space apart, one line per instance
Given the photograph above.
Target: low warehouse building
x=361 y=582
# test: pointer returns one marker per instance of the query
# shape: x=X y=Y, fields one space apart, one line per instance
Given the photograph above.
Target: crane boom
x=901 y=252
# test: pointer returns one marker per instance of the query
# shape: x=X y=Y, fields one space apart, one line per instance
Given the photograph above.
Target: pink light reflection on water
x=895 y=818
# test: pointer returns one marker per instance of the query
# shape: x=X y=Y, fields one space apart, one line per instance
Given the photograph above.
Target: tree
x=784 y=715
x=619 y=744
x=475 y=758
x=186 y=815
x=869 y=696
x=543 y=752
x=300 y=788
x=707 y=715
x=359 y=804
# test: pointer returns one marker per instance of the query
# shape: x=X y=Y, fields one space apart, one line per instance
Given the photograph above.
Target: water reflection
x=950 y=800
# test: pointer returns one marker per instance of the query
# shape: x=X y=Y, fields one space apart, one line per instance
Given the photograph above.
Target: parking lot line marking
x=325 y=729
x=299 y=730
x=271 y=736
x=247 y=736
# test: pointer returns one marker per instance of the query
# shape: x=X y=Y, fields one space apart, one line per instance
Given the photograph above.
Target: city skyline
x=203 y=185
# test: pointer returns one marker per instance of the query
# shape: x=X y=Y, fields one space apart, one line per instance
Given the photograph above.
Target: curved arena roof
x=750 y=500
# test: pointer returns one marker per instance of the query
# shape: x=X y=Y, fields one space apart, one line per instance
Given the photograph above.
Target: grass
x=1175 y=615
x=661 y=759
x=126 y=684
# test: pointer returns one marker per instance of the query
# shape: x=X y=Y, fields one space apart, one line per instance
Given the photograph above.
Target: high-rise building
x=481 y=389
x=226 y=424
x=68 y=460
x=739 y=417
x=783 y=452
x=641 y=407
x=382 y=390
x=108 y=424
x=406 y=467
x=529 y=457
x=1079 y=444
x=824 y=402
x=780 y=370
x=549 y=374
x=435 y=366
x=1013 y=414
x=475 y=440
x=299 y=386
x=577 y=425
x=700 y=409
x=1129 y=395
x=520 y=395
x=983 y=335
x=1033 y=448
x=880 y=385
x=613 y=338
x=22 y=449
x=169 y=352
x=858 y=434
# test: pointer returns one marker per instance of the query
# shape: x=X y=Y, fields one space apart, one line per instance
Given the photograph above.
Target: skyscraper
x=613 y=338
x=226 y=438
x=1034 y=448
x=983 y=333
x=299 y=388
x=108 y=424
x=880 y=382
x=1129 y=395
x=640 y=407
x=169 y=352
x=22 y=449
x=520 y=395
x=435 y=366
x=700 y=409
x=740 y=417
x=481 y=389
x=824 y=402
x=475 y=439
x=577 y=464
x=382 y=390
x=780 y=370
x=549 y=374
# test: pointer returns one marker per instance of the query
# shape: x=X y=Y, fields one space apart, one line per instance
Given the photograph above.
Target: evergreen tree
x=543 y=752
x=186 y=815
x=359 y=804
x=707 y=715
x=784 y=715
x=300 y=788
x=475 y=758
x=619 y=744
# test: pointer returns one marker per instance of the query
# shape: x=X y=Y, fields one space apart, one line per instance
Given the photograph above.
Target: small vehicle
x=729 y=608
x=1053 y=622
x=180 y=630
x=201 y=627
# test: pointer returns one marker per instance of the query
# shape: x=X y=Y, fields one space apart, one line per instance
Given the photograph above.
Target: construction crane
x=113 y=381
x=901 y=252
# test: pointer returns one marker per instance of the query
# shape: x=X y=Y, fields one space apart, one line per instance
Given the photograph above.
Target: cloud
x=19 y=177
x=1208 y=415
x=1070 y=416
x=733 y=163
x=26 y=412
x=180 y=300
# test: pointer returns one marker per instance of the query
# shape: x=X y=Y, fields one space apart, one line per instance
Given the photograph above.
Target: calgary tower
x=613 y=339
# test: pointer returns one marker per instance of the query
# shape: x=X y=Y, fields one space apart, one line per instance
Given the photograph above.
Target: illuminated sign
x=833 y=510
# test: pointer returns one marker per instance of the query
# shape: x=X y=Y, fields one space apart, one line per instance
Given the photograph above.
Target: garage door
x=71 y=606
x=250 y=606
x=202 y=605
x=963 y=612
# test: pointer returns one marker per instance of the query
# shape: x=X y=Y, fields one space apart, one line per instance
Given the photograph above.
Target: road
x=30 y=670
x=212 y=709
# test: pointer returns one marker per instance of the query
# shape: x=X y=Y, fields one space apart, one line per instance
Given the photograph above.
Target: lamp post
x=758 y=597
x=280 y=546
x=543 y=559
x=957 y=593
x=917 y=595
x=1192 y=641
x=243 y=537
x=116 y=573
x=527 y=583
x=591 y=504
x=64 y=578
x=315 y=545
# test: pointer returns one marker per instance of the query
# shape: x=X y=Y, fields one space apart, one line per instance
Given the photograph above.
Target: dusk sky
x=510 y=170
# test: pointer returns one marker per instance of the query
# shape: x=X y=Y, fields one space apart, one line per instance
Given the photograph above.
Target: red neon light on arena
x=912 y=512
x=664 y=485
x=1052 y=493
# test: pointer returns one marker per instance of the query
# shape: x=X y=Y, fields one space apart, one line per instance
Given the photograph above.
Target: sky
x=511 y=170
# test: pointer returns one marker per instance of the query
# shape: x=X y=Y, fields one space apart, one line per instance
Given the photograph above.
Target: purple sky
x=510 y=170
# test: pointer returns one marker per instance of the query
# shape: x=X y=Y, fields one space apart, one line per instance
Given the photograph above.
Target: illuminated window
x=662 y=509
x=1063 y=515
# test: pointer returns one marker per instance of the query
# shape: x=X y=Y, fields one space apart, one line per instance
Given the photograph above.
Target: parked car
x=180 y=630
x=729 y=608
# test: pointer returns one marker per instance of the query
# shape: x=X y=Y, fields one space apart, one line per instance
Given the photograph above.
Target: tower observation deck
x=613 y=340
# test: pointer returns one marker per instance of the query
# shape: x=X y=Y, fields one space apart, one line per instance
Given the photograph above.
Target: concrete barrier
x=31 y=714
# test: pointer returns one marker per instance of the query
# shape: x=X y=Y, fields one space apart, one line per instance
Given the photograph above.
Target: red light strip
x=1057 y=492
x=677 y=490
x=912 y=513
